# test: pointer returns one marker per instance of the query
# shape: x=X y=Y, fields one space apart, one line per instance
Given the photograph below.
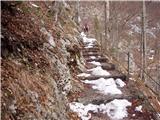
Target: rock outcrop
x=40 y=46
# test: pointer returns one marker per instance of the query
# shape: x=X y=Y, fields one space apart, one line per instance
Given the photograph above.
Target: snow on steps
x=106 y=82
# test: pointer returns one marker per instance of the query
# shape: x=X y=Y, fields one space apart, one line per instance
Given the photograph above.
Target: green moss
x=58 y=34
x=26 y=9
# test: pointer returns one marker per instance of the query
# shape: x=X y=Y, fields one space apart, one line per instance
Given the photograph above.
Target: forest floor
x=108 y=94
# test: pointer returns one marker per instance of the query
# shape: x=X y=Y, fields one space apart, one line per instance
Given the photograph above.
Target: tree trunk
x=143 y=42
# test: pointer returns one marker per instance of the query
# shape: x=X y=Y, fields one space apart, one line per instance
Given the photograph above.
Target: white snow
x=120 y=83
x=79 y=19
x=82 y=34
x=34 y=5
x=152 y=51
x=151 y=32
x=82 y=110
x=96 y=63
x=92 y=57
x=138 y=18
x=135 y=28
x=134 y=115
x=83 y=75
x=99 y=71
x=130 y=32
x=158 y=116
x=105 y=86
x=88 y=47
x=87 y=40
x=139 y=108
x=90 y=40
x=151 y=57
x=90 y=44
x=115 y=109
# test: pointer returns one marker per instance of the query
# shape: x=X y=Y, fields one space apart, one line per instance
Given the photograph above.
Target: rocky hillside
x=40 y=47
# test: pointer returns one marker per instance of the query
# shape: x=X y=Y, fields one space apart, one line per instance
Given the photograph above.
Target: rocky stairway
x=94 y=96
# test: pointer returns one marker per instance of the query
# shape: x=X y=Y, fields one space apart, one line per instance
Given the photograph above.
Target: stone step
x=96 y=54
x=113 y=74
x=105 y=66
x=121 y=76
x=108 y=66
x=101 y=59
x=95 y=49
x=94 y=45
x=91 y=52
x=99 y=99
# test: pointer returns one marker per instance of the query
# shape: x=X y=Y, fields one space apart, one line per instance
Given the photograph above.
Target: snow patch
x=96 y=63
x=92 y=57
x=87 y=40
x=151 y=32
x=151 y=57
x=99 y=71
x=139 y=108
x=152 y=51
x=79 y=19
x=34 y=5
x=158 y=116
x=130 y=32
x=105 y=86
x=120 y=83
x=115 y=109
x=82 y=110
x=135 y=28
x=83 y=75
x=89 y=47
x=82 y=34
x=138 y=18
x=134 y=115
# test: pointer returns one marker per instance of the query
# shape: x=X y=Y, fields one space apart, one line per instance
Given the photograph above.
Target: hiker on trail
x=86 y=28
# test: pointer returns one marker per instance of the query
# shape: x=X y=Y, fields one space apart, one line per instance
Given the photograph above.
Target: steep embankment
x=39 y=50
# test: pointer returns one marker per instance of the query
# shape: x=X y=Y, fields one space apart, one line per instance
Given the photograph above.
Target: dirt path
x=96 y=94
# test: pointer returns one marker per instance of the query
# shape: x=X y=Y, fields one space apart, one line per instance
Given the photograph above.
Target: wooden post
x=128 y=65
x=105 y=17
x=106 y=14
x=77 y=12
x=101 y=42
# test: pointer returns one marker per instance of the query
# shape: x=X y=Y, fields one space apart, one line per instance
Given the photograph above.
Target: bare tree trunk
x=78 y=18
x=158 y=65
x=143 y=41
x=117 y=38
x=105 y=17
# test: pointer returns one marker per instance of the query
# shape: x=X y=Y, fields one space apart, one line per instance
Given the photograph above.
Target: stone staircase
x=129 y=91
